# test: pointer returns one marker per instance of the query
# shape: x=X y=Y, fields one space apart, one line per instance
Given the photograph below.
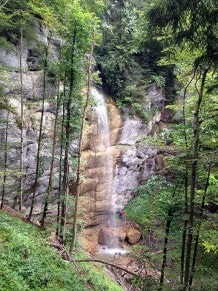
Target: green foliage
x=208 y=236
x=127 y=57
x=28 y=263
x=194 y=23
x=150 y=209
x=97 y=280
x=4 y=104
x=158 y=80
x=153 y=202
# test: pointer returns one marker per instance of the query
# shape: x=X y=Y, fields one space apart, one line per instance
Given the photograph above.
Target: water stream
x=103 y=128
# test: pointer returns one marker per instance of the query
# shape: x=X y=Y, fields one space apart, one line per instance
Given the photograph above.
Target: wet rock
x=104 y=236
x=108 y=237
x=133 y=236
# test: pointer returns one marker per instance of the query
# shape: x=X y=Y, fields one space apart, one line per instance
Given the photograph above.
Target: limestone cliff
x=133 y=160
x=29 y=56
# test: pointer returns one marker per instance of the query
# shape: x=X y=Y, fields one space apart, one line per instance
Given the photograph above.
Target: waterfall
x=103 y=146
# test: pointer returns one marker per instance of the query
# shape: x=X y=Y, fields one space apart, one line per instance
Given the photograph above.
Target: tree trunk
x=199 y=226
x=107 y=263
x=50 y=182
x=167 y=231
x=21 y=121
x=60 y=165
x=80 y=145
x=5 y=160
x=196 y=131
x=184 y=233
x=40 y=137
x=67 y=139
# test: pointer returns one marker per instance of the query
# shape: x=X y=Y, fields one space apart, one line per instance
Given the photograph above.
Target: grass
x=28 y=263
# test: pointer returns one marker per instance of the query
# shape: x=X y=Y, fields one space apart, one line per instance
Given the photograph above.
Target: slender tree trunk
x=196 y=130
x=5 y=160
x=40 y=136
x=167 y=231
x=67 y=141
x=184 y=232
x=164 y=262
x=199 y=226
x=80 y=145
x=60 y=165
x=50 y=182
x=21 y=121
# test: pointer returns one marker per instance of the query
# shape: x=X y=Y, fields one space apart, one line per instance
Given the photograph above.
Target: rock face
x=134 y=161
x=98 y=161
x=138 y=161
x=123 y=233
x=10 y=109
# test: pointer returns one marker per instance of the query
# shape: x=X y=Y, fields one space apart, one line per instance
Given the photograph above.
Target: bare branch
x=107 y=263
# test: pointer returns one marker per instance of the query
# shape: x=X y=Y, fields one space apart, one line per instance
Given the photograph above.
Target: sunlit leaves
x=208 y=236
x=153 y=202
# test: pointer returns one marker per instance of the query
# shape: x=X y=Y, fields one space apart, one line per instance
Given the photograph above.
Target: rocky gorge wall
x=134 y=161
x=138 y=161
x=30 y=57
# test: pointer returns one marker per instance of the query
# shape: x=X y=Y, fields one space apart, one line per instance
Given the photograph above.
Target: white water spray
x=100 y=110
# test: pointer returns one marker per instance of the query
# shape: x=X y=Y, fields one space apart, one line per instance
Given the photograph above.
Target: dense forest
x=52 y=53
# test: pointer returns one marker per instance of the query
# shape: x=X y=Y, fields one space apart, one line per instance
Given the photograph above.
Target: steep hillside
x=28 y=263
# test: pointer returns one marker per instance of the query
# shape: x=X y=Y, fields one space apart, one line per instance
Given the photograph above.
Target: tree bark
x=199 y=226
x=50 y=182
x=184 y=233
x=60 y=165
x=40 y=137
x=67 y=138
x=21 y=121
x=167 y=231
x=196 y=131
x=5 y=160
x=80 y=145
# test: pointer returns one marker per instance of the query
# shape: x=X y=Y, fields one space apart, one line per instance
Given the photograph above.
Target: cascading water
x=103 y=128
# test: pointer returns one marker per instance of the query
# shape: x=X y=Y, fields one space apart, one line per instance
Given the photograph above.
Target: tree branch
x=208 y=117
x=4 y=4
x=107 y=263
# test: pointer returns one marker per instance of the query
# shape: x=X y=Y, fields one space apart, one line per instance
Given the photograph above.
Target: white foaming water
x=112 y=251
x=100 y=110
